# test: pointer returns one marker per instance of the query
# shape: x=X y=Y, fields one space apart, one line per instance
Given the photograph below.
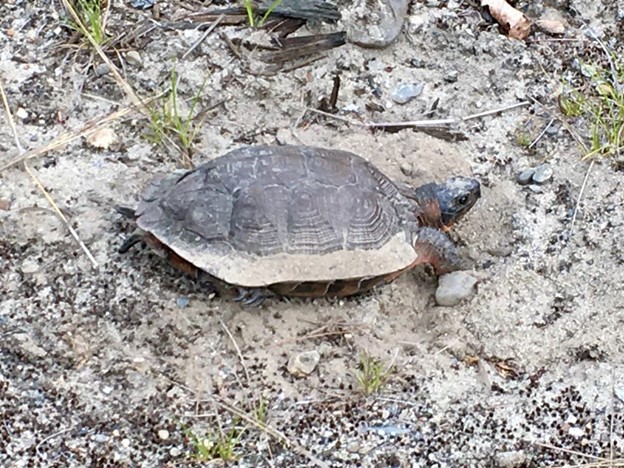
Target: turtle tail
x=126 y=211
x=134 y=239
x=130 y=242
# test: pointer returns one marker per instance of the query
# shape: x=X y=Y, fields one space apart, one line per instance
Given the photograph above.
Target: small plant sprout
x=168 y=123
x=216 y=445
x=93 y=17
x=249 y=8
x=371 y=374
x=523 y=138
x=599 y=103
x=260 y=410
x=571 y=103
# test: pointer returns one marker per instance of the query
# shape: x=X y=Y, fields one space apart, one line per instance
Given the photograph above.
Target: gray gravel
x=405 y=92
x=543 y=173
x=525 y=177
x=454 y=288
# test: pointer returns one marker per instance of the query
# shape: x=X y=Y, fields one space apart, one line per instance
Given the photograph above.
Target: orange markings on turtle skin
x=429 y=214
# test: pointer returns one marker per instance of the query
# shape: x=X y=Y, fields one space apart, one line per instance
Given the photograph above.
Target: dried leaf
x=513 y=22
x=471 y=360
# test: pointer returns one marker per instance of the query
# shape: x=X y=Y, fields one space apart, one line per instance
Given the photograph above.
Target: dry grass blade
x=238 y=351
x=580 y=195
x=38 y=182
x=270 y=431
x=203 y=37
x=68 y=137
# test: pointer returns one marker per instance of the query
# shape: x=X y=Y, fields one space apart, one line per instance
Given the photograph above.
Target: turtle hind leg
x=436 y=249
x=253 y=297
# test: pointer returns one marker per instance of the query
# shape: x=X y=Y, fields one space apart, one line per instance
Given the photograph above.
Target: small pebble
x=543 y=173
x=21 y=113
x=553 y=129
x=175 y=452
x=101 y=438
x=525 y=177
x=142 y=4
x=353 y=447
x=125 y=443
x=407 y=168
x=500 y=251
x=163 y=434
x=455 y=287
x=451 y=76
x=511 y=459
x=102 y=69
x=303 y=364
x=406 y=92
x=182 y=302
x=29 y=346
x=134 y=58
x=30 y=266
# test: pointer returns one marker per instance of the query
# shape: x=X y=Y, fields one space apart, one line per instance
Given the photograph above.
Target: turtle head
x=442 y=205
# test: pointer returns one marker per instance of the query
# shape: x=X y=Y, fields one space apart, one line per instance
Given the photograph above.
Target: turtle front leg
x=435 y=248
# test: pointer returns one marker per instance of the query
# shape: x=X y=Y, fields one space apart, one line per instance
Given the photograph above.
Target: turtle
x=298 y=221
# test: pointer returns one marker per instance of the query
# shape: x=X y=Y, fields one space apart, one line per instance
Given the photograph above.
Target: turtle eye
x=463 y=200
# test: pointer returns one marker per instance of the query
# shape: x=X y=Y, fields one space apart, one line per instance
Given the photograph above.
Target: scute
x=263 y=215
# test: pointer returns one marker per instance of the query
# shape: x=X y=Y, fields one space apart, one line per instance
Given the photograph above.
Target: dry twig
x=214 y=24
x=426 y=123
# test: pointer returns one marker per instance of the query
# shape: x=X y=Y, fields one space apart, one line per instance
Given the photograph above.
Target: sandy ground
x=118 y=365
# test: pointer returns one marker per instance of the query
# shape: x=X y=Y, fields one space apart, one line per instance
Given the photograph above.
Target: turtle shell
x=265 y=215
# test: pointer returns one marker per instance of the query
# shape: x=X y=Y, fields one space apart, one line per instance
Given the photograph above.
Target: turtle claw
x=250 y=297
